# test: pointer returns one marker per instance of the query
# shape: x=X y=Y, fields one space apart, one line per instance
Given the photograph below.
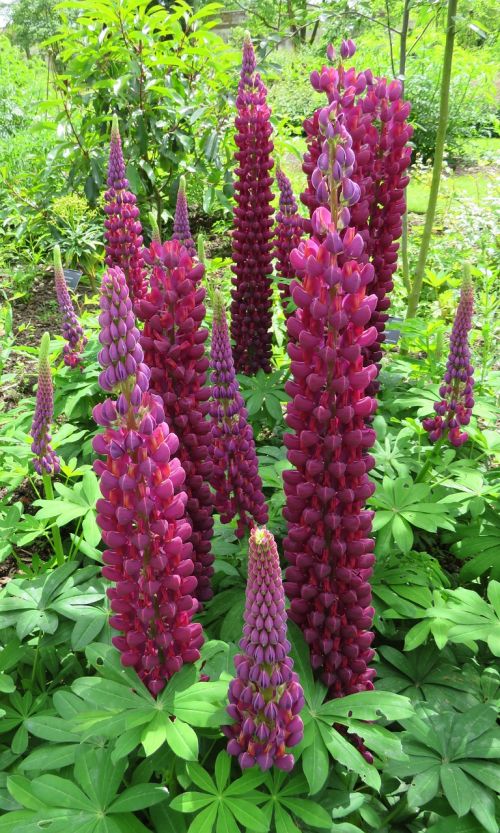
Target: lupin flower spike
x=235 y=475
x=265 y=698
x=123 y=232
x=173 y=342
x=376 y=118
x=155 y=230
x=148 y=557
x=182 y=230
x=328 y=545
x=251 y=308
x=46 y=460
x=288 y=235
x=455 y=408
x=71 y=327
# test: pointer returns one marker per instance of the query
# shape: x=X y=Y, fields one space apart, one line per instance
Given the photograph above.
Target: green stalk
x=402 y=70
x=430 y=459
x=438 y=161
x=56 y=534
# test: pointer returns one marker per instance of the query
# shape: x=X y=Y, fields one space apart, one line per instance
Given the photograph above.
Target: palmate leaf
x=452 y=752
x=120 y=707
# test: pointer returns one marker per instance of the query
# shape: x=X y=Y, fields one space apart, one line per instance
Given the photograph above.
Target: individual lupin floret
x=251 y=308
x=71 y=328
x=141 y=514
x=182 y=230
x=457 y=401
x=235 y=474
x=123 y=232
x=46 y=460
x=265 y=698
x=288 y=236
x=173 y=340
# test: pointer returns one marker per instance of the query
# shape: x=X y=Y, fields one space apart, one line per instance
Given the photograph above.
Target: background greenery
x=83 y=746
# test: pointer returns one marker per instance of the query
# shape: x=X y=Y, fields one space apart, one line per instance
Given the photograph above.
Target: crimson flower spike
x=288 y=236
x=251 y=308
x=235 y=476
x=148 y=557
x=265 y=698
x=71 y=328
x=455 y=408
x=376 y=117
x=123 y=232
x=173 y=342
x=182 y=231
x=328 y=546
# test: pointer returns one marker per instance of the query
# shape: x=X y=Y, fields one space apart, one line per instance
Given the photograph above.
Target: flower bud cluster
x=288 y=235
x=455 y=408
x=251 y=308
x=141 y=514
x=46 y=460
x=376 y=118
x=265 y=698
x=123 y=232
x=173 y=342
x=71 y=328
x=328 y=545
x=235 y=476
x=182 y=230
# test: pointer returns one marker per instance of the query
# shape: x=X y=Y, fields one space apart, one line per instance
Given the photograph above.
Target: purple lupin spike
x=182 y=230
x=235 y=476
x=455 y=408
x=123 y=228
x=46 y=460
x=288 y=236
x=71 y=328
x=265 y=698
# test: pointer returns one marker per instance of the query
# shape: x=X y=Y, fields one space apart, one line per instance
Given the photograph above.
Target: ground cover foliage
x=85 y=742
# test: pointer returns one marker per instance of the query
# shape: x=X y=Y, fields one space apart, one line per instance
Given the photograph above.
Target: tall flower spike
x=182 y=230
x=288 y=236
x=235 y=475
x=455 y=408
x=155 y=230
x=46 y=460
x=376 y=117
x=251 y=308
x=328 y=546
x=141 y=512
x=173 y=341
x=71 y=328
x=123 y=232
x=265 y=698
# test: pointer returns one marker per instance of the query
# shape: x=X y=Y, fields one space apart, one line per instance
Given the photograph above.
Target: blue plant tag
x=392 y=334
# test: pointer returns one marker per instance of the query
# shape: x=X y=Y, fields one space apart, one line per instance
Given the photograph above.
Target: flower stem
x=430 y=459
x=56 y=534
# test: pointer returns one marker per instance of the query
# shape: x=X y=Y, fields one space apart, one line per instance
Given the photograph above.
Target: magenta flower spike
x=251 y=308
x=182 y=230
x=235 y=475
x=123 y=232
x=328 y=546
x=71 y=327
x=46 y=460
x=455 y=408
x=288 y=236
x=173 y=341
x=377 y=120
x=141 y=514
x=265 y=698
